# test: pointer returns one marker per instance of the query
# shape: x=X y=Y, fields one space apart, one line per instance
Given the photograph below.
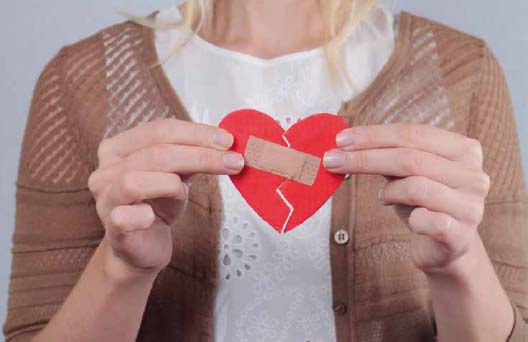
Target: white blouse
x=272 y=287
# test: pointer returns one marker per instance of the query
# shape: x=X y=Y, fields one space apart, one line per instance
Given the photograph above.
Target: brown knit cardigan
x=104 y=84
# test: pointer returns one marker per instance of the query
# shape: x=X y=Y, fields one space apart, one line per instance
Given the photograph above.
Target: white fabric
x=273 y=287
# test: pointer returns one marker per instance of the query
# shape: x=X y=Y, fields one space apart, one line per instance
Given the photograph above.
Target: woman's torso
x=108 y=85
x=272 y=286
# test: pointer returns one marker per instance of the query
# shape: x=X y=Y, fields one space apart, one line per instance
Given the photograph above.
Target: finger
x=442 y=228
x=404 y=162
x=131 y=245
x=168 y=209
x=428 y=138
x=136 y=186
x=162 y=131
x=185 y=160
x=124 y=219
x=418 y=191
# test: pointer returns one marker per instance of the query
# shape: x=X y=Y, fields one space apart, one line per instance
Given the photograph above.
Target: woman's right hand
x=140 y=187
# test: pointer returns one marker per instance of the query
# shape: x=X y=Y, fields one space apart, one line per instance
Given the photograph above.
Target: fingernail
x=346 y=138
x=381 y=196
x=186 y=189
x=333 y=159
x=233 y=161
x=222 y=139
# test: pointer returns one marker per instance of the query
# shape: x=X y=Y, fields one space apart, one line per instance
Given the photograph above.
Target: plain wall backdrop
x=32 y=31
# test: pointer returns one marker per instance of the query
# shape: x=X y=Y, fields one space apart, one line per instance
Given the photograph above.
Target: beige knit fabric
x=103 y=85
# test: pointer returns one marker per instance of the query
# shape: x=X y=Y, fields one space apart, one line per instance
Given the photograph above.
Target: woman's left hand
x=436 y=183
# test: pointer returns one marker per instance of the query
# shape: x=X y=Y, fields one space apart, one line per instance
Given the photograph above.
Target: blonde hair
x=340 y=16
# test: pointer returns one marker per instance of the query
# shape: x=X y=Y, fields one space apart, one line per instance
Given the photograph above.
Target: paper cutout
x=284 y=203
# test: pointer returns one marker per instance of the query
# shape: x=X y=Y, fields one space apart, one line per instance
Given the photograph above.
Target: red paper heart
x=314 y=135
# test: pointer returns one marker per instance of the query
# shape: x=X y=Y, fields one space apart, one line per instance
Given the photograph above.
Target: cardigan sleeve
x=56 y=228
x=504 y=228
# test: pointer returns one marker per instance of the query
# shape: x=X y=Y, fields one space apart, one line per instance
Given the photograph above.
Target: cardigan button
x=347 y=176
x=341 y=236
x=340 y=308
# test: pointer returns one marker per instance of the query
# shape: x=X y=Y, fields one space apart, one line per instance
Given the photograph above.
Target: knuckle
x=464 y=237
x=444 y=225
x=362 y=160
x=117 y=221
x=99 y=208
x=204 y=160
x=162 y=156
x=103 y=149
x=475 y=214
x=419 y=189
x=195 y=132
x=363 y=136
x=482 y=183
x=474 y=148
x=93 y=182
x=130 y=186
x=412 y=162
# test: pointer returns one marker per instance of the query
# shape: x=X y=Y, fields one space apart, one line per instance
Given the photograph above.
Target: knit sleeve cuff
x=519 y=331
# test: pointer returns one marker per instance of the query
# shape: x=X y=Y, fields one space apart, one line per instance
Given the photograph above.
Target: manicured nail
x=222 y=139
x=233 y=161
x=346 y=138
x=333 y=159
x=381 y=196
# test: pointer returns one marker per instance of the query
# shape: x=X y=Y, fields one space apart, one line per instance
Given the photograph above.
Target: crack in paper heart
x=284 y=199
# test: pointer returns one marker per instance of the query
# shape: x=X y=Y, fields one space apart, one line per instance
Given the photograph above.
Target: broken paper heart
x=283 y=179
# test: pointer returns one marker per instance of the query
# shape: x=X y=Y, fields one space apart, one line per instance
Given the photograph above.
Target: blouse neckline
x=246 y=57
x=202 y=43
x=347 y=108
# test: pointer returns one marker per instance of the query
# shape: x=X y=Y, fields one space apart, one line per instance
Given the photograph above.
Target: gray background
x=33 y=30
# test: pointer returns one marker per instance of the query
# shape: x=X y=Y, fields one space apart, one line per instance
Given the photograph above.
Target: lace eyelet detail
x=239 y=247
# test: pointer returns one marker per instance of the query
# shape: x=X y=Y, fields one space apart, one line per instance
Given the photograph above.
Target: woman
x=128 y=227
